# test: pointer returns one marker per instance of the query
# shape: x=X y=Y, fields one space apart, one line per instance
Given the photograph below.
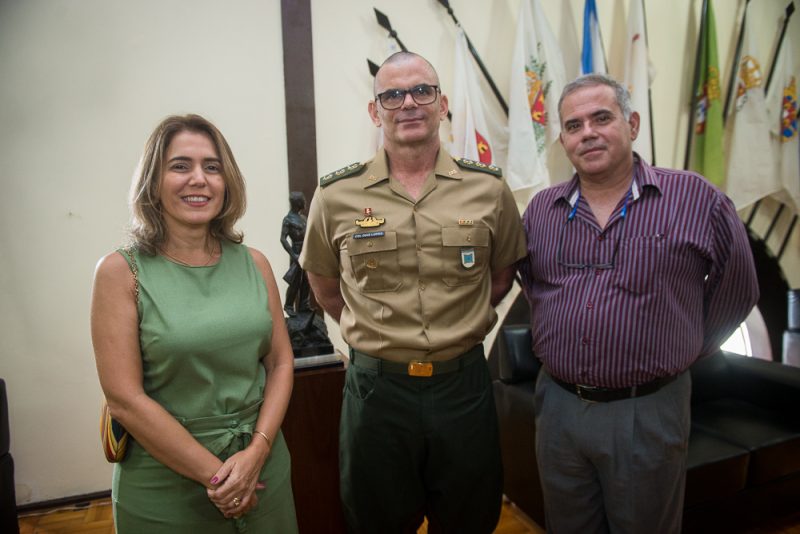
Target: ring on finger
x=236 y=501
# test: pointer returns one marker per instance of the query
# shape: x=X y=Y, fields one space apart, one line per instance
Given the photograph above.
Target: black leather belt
x=416 y=367
x=598 y=394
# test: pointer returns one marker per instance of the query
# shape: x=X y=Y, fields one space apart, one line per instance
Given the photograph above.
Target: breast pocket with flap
x=465 y=254
x=374 y=260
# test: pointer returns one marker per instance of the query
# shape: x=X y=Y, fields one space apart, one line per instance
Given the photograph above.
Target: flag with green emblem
x=708 y=135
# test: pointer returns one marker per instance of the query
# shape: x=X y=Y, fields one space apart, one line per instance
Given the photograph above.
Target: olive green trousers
x=420 y=446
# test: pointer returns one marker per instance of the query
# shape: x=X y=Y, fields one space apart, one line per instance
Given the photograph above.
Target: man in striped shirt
x=633 y=272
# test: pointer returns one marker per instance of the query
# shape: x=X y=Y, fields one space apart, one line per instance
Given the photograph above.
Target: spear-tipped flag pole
x=474 y=53
x=373 y=68
x=732 y=80
x=383 y=20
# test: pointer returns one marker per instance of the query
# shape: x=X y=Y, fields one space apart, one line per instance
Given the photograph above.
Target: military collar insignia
x=373 y=178
x=344 y=172
x=478 y=166
x=369 y=221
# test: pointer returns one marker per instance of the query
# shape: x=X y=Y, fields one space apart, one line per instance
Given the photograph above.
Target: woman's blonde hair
x=148 y=229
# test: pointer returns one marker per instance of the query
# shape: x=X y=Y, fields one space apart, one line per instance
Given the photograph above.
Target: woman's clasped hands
x=234 y=485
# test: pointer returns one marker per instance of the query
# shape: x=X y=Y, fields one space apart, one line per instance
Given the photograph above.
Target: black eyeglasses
x=597 y=266
x=423 y=94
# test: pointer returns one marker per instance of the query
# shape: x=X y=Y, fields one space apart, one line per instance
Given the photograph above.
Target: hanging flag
x=476 y=132
x=593 y=57
x=537 y=78
x=568 y=42
x=751 y=171
x=707 y=153
x=782 y=109
x=638 y=77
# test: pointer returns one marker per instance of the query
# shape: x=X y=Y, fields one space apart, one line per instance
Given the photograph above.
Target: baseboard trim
x=77 y=501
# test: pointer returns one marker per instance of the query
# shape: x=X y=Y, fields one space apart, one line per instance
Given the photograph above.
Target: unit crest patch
x=478 y=166
x=344 y=172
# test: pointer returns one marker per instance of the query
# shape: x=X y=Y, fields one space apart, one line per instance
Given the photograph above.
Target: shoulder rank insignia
x=478 y=166
x=344 y=172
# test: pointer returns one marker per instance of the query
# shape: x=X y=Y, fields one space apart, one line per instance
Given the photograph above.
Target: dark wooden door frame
x=311 y=425
x=298 y=84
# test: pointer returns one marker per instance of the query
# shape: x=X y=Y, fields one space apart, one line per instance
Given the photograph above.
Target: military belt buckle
x=418 y=368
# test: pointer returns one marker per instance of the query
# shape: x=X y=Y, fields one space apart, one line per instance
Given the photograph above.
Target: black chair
x=744 y=446
x=8 y=500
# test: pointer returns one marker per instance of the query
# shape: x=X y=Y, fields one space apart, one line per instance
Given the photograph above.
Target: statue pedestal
x=311 y=429
x=317 y=361
x=308 y=334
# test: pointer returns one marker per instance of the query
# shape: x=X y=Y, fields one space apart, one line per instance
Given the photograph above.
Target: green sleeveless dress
x=203 y=332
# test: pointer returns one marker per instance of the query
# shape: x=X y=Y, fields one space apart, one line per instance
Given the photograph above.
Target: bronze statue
x=306 y=328
x=293 y=231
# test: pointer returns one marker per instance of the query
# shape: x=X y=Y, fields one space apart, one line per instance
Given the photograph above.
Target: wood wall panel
x=311 y=429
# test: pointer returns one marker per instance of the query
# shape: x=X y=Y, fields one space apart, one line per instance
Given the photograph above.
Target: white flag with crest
x=537 y=78
x=782 y=109
x=751 y=171
x=476 y=131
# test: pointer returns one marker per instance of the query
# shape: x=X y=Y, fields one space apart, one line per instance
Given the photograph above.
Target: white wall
x=83 y=84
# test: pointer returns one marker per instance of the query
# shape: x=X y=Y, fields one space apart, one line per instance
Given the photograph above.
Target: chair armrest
x=771 y=385
x=517 y=361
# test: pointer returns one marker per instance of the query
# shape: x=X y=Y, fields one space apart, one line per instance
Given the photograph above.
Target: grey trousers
x=616 y=466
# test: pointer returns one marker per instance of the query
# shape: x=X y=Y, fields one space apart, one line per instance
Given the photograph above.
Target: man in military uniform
x=410 y=252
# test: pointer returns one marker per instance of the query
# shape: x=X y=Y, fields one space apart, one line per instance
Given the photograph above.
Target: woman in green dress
x=192 y=350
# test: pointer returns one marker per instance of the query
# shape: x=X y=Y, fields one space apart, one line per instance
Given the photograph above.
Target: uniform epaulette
x=344 y=172
x=478 y=166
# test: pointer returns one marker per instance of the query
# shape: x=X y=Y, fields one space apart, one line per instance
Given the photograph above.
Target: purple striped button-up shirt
x=666 y=281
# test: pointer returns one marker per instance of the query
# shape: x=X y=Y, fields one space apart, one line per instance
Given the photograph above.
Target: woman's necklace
x=211 y=256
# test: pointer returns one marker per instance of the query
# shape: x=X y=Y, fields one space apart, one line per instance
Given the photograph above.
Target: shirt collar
x=378 y=168
x=447 y=167
x=567 y=192
x=643 y=176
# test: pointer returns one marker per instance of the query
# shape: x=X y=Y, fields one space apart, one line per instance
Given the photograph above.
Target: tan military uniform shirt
x=415 y=275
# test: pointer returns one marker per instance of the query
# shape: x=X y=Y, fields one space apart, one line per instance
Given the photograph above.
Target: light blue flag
x=593 y=58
